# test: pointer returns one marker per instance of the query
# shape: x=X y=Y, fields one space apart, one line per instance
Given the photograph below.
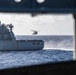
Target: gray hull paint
x=21 y=45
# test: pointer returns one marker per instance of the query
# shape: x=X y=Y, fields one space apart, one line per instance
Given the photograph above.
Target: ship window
x=36 y=43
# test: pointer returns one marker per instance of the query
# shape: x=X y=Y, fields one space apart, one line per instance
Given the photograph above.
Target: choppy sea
x=56 y=49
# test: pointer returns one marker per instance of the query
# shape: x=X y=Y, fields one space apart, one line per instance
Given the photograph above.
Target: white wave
x=60 y=49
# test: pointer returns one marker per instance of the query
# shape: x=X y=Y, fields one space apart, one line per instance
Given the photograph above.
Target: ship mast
x=10 y=26
x=11 y=33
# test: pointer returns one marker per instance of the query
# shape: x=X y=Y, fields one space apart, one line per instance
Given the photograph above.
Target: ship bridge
x=6 y=32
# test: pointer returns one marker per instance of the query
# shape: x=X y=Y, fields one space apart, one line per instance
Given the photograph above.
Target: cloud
x=46 y=24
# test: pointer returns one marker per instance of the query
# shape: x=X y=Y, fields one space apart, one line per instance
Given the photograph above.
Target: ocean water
x=56 y=49
x=53 y=42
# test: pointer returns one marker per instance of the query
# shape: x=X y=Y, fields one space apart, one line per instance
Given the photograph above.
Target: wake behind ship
x=9 y=42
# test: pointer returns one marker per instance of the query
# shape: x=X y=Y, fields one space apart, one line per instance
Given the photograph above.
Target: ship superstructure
x=8 y=40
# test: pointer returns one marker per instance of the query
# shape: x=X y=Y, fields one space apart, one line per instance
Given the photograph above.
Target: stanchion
x=74 y=52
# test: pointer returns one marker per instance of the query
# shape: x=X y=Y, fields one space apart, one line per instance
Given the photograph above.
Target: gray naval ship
x=8 y=40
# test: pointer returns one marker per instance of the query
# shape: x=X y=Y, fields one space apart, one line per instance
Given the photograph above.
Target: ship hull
x=24 y=45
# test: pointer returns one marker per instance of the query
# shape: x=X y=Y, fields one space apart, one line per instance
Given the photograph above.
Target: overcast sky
x=51 y=24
